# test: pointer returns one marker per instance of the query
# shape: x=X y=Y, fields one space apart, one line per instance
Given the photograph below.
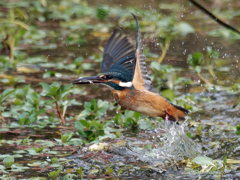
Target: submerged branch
x=215 y=18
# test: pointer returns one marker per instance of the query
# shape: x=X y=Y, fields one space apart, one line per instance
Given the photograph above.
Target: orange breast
x=147 y=103
x=142 y=101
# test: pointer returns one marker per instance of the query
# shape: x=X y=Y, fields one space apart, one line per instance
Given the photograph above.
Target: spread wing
x=119 y=57
x=141 y=79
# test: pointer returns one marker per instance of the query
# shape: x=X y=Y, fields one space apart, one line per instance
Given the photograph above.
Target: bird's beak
x=88 y=80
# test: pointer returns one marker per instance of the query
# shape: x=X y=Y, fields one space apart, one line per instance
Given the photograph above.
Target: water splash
x=177 y=145
x=173 y=147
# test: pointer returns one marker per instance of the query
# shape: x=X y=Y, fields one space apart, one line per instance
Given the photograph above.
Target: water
x=177 y=145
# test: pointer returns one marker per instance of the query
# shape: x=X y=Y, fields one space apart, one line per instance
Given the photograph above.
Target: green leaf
x=155 y=65
x=54 y=174
x=196 y=59
x=82 y=126
x=8 y=161
x=85 y=123
x=168 y=94
x=89 y=135
x=65 y=90
x=54 y=160
x=45 y=87
x=184 y=28
x=102 y=12
x=109 y=170
x=38 y=150
x=129 y=121
x=93 y=104
x=148 y=147
x=96 y=125
x=137 y=115
x=225 y=159
x=55 y=90
x=120 y=170
x=100 y=132
x=189 y=134
x=79 y=128
x=80 y=172
x=238 y=129
x=5 y=94
x=67 y=137
x=203 y=161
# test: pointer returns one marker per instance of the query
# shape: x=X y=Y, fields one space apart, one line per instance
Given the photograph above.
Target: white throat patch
x=125 y=84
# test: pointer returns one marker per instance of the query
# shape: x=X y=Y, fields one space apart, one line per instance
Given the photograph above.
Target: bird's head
x=114 y=80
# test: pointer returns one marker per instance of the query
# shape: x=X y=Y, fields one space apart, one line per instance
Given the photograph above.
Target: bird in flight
x=124 y=71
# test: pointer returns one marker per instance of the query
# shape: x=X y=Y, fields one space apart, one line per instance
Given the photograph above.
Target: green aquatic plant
x=196 y=61
x=54 y=174
x=90 y=130
x=211 y=54
x=5 y=94
x=56 y=93
x=67 y=137
x=38 y=150
x=80 y=172
x=131 y=118
x=13 y=28
x=94 y=110
x=109 y=170
x=238 y=129
x=8 y=161
x=223 y=168
x=167 y=29
x=207 y=164
x=102 y=12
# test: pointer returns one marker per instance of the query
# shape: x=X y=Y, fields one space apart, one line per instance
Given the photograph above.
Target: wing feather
x=118 y=57
x=141 y=79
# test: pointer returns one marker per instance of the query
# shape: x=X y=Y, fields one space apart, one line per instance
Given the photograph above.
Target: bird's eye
x=109 y=77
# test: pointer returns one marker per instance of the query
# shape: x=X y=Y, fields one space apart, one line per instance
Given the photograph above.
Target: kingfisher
x=124 y=71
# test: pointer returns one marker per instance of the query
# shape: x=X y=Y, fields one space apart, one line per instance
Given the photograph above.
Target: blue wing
x=119 y=57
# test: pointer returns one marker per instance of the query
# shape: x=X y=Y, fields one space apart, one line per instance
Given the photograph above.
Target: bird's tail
x=176 y=113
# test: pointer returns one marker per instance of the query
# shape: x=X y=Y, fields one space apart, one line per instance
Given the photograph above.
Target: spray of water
x=177 y=145
x=174 y=147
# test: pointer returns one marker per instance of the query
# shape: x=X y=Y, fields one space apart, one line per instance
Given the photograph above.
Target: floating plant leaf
x=203 y=161
x=38 y=150
x=54 y=174
x=109 y=170
x=8 y=161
